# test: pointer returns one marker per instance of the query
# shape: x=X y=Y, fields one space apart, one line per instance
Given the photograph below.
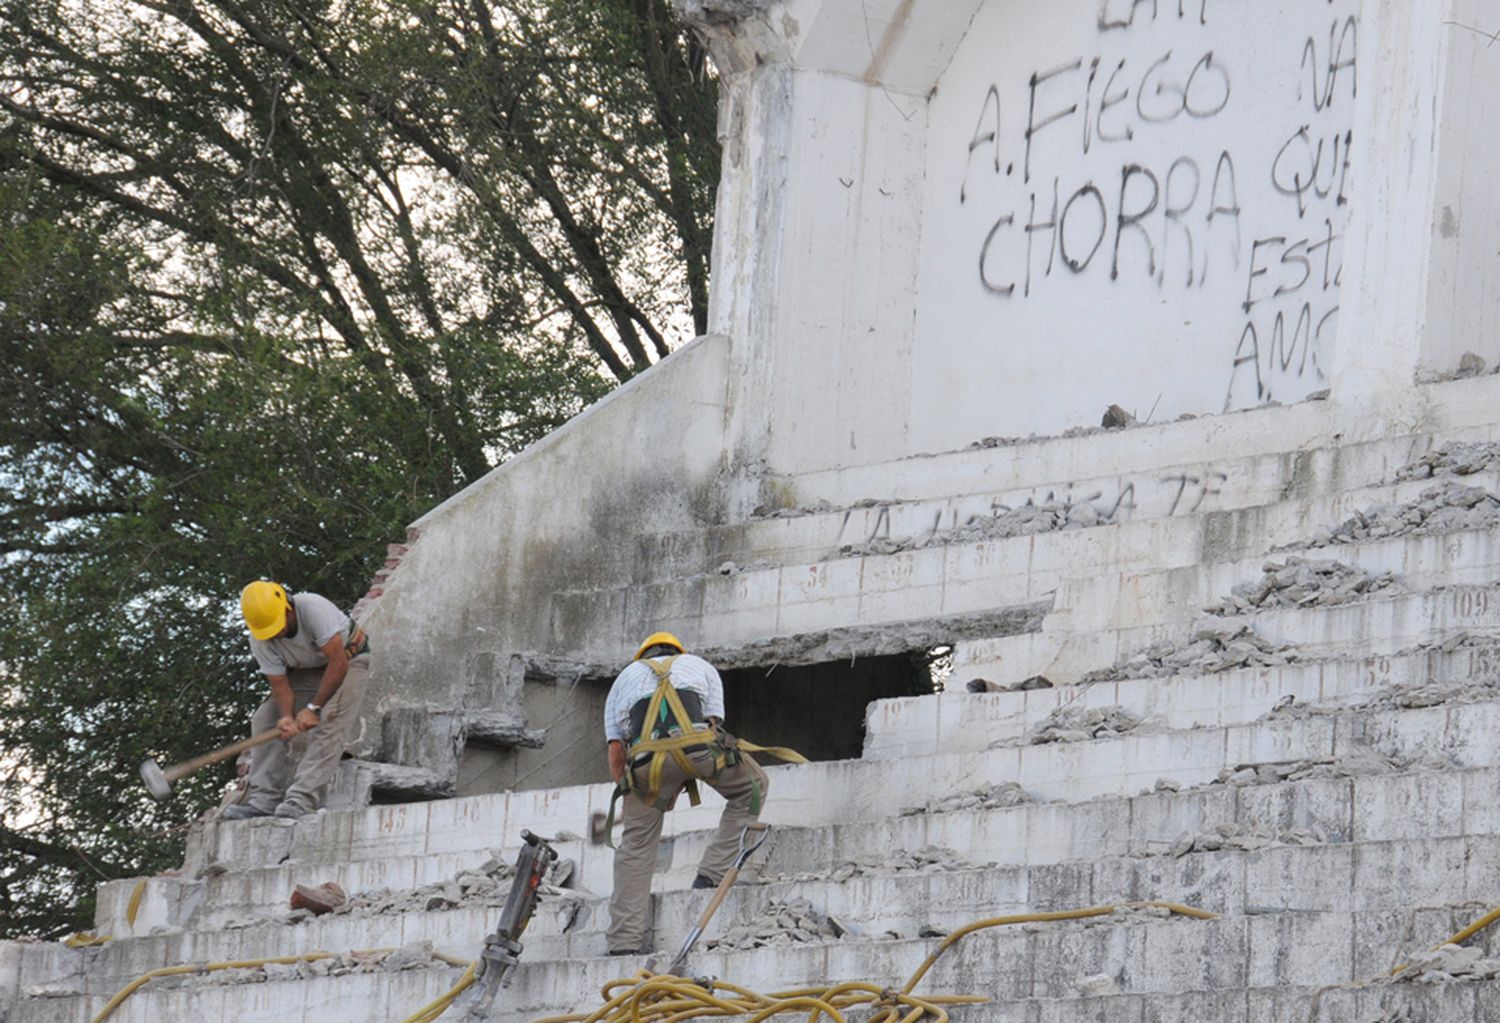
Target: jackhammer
x=502 y=949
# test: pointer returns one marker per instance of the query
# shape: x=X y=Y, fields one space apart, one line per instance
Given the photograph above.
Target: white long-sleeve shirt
x=637 y=682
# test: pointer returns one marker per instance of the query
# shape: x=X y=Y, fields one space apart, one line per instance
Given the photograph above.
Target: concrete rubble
x=1298 y=582
x=1446 y=964
x=928 y=860
x=1365 y=762
x=1218 y=644
x=1077 y=724
x=986 y=797
x=418 y=955
x=783 y=922
x=1238 y=837
x=486 y=885
x=1439 y=510
x=1458 y=458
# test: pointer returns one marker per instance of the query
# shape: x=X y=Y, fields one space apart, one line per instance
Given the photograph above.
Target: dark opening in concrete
x=818 y=709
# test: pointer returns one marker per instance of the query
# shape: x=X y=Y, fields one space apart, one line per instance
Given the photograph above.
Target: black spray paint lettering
x=1343 y=41
x=986 y=132
x=1281 y=351
x=1203 y=487
x=1299 y=166
x=1302 y=261
x=1132 y=219
x=1161 y=210
x=1033 y=126
x=1120 y=14
x=1162 y=95
x=1204 y=93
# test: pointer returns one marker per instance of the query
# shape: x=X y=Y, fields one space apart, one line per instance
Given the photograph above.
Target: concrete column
x=1415 y=133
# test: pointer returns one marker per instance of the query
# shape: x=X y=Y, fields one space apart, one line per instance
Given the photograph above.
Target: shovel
x=747 y=847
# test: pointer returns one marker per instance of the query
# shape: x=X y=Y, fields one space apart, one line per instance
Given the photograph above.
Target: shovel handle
x=187 y=767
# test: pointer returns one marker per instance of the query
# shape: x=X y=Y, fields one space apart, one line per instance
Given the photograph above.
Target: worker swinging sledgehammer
x=317 y=663
x=664 y=725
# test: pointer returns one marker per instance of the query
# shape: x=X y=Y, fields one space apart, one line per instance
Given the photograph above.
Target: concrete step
x=1396 y=805
x=959 y=720
x=1254 y=872
x=810 y=795
x=401 y=844
x=1460 y=410
x=1157 y=570
x=1146 y=955
x=1270 y=499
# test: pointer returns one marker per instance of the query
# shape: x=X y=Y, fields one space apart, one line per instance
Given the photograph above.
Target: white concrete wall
x=1464 y=222
x=1140 y=204
x=478 y=584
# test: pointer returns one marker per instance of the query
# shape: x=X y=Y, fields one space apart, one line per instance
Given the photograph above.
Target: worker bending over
x=317 y=662
x=655 y=754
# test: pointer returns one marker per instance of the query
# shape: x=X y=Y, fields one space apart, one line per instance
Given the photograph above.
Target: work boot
x=288 y=810
x=704 y=881
x=242 y=812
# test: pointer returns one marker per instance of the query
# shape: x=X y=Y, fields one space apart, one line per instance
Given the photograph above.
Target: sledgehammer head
x=156 y=781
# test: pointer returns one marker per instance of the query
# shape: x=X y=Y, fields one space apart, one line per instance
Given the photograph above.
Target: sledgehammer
x=159 y=781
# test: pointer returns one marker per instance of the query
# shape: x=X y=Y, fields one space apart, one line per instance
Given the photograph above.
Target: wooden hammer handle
x=187 y=767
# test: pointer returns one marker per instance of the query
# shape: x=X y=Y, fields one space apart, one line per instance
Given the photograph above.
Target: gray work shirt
x=318 y=621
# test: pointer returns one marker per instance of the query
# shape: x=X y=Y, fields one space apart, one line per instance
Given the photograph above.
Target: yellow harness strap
x=663 y=701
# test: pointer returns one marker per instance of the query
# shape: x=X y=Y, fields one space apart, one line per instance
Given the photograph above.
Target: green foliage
x=275 y=277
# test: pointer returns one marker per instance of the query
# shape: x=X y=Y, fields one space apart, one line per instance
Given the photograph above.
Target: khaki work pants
x=635 y=859
x=325 y=744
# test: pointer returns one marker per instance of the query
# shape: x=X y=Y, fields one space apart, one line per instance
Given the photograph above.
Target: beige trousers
x=325 y=744
x=635 y=859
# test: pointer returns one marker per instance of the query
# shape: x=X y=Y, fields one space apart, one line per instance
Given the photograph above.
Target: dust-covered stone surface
x=927 y=860
x=1439 y=510
x=1235 y=836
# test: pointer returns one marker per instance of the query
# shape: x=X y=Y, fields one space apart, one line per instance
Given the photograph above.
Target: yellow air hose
x=661 y=998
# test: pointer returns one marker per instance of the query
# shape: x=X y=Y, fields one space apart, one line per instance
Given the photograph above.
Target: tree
x=274 y=278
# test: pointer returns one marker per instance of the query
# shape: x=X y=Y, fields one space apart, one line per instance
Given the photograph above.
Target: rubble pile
x=1438 y=510
x=1457 y=458
x=1297 y=582
x=1028 y=519
x=987 y=797
x=1076 y=724
x=485 y=885
x=1218 y=644
x=1356 y=764
x=409 y=957
x=929 y=860
x=1445 y=964
x=1238 y=837
x=784 y=922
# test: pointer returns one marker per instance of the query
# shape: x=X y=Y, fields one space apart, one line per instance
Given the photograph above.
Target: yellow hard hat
x=264 y=605
x=658 y=639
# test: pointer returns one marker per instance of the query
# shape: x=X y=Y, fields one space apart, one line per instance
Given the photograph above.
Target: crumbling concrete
x=1077 y=724
x=1298 y=582
x=986 y=797
x=1218 y=644
x=1457 y=458
x=1438 y=510
x=784 y=922
x=1234 y=836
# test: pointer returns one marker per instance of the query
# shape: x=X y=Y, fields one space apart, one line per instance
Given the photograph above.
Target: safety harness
x=663 y=738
